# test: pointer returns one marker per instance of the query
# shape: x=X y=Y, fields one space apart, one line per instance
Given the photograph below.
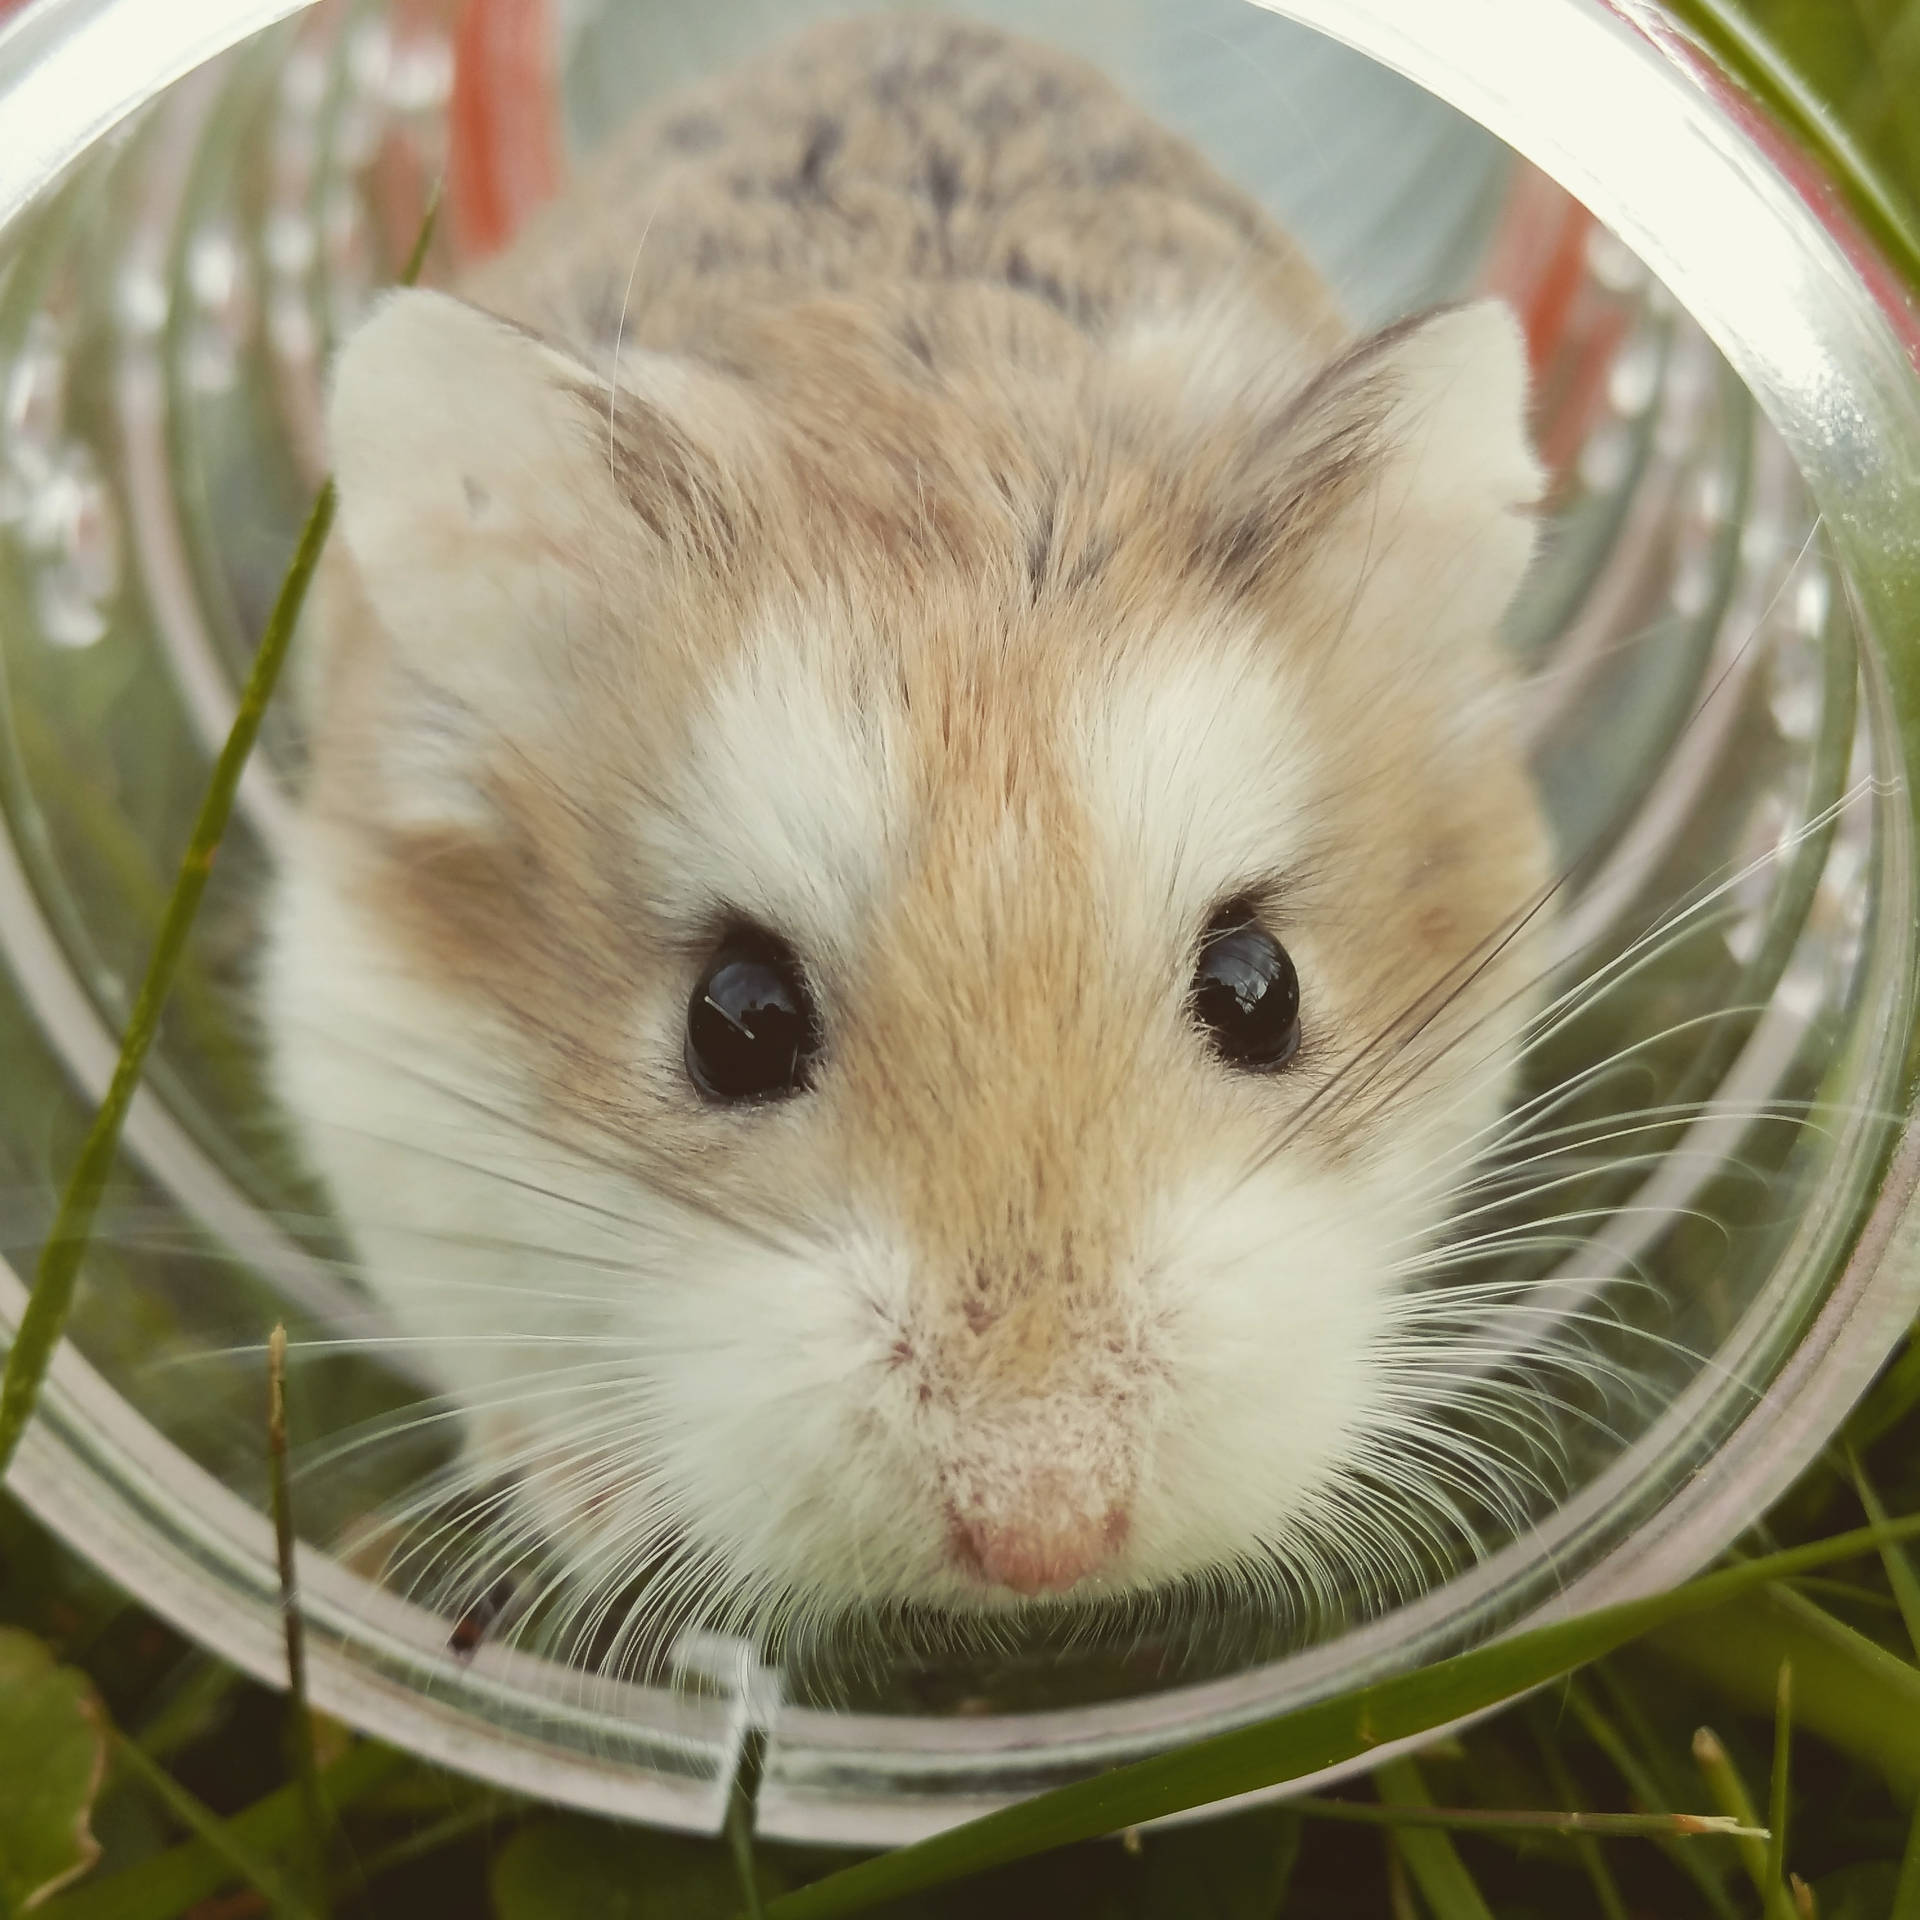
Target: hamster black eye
x=1246 y=994
x=752 y=1032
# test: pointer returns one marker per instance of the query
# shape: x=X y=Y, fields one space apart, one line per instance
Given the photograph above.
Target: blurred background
x=141 y=1777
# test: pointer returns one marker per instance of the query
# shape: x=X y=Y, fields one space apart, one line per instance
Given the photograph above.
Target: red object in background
x=505 y=152
x=1538 y=264
x=504 y=148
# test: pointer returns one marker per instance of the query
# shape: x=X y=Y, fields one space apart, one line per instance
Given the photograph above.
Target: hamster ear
x=468 y=484
x=493 y=492
x=1458 y=410
x=1407 y=476
x=1453 y=527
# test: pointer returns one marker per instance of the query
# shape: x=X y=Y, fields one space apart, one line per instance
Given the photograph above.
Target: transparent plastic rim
x=1614 y=106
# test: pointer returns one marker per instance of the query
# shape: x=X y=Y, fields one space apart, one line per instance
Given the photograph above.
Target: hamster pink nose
x=1035 y=1556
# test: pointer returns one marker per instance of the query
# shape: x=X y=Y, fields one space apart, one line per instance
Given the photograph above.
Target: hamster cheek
x=777 y=1411
x=1276 y=1302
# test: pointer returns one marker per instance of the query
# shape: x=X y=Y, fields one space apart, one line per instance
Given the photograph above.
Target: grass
x=1775 y=1695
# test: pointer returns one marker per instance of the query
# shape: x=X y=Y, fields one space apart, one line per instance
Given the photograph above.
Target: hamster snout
x=922 y=865
x=1047 y=1545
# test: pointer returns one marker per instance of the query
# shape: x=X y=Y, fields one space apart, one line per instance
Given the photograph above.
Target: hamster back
x=916 y=888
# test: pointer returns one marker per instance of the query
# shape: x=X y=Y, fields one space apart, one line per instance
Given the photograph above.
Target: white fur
x=462 y=518
x=1199 y=771
x=1462 y=413
x=1220 y=353
x=1282 y=1303
x=744 y=1392
x=734 y=1395
x=788 y=804
x=1451 y=534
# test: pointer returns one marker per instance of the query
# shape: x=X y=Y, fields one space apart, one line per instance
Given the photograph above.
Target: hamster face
x=900 y=933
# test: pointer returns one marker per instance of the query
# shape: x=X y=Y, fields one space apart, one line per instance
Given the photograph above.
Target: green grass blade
x=1438 y=1871
x=1592 y=1859
x=299 y=1714
x=1402 y=1812
x=58 y=1270
x=737 y=1828
x=461 y=1824
x=1400 y=1901
x=1906 y=1895
x=1746 y=52
x=1851 y=1691
x=185 y=1712
x=1300 y=1742
x=1892 y=1399
x=1779 y=1901
x=739 y=1837
x=1730 y=1795
x=163 y=1887
x=1636 y=1767
x=1900 y=1573
x=1848 y=1592
x=221 y=1837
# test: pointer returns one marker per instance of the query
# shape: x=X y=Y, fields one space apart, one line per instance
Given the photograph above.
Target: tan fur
x=936 y=428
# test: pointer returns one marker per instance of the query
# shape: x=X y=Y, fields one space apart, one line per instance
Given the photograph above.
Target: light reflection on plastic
x=1573 y=89
x=71 y=70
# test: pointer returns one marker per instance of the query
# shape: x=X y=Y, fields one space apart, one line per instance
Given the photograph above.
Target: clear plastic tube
x=1726 y=696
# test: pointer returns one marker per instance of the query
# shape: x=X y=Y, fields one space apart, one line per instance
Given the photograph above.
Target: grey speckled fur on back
x=892 y=149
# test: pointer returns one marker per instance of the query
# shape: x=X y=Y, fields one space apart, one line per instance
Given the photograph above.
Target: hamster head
x=900 y=932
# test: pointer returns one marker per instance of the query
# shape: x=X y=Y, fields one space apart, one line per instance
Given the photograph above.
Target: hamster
x=916 y=881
